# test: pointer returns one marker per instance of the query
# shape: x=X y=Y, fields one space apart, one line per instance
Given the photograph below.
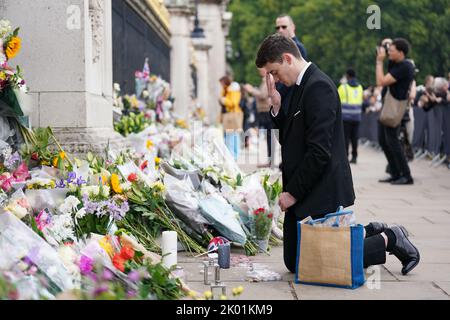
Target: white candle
x=169 y=248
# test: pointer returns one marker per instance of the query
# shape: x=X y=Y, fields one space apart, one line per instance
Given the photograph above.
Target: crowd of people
x=423 y=132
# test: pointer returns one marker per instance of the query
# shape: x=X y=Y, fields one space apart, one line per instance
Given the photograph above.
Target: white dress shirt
x=298 y=82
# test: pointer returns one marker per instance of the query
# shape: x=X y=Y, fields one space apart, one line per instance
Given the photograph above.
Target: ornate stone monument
x=67 y=62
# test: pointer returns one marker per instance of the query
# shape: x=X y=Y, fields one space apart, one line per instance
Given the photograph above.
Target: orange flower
x=13 y=47
x=119 y=262
x=127 y=253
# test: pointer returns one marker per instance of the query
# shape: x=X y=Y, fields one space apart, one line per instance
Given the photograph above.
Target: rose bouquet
x=262 y=223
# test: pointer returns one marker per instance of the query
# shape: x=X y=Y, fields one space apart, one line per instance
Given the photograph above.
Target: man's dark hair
x=351 y=73
x=226 y=80
x=401 y=45
x=273 y=48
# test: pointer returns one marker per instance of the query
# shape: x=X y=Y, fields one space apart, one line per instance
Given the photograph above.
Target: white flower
x=106 y=191
x=145 y=94
x=126 y=186
x=2 y=55
x=69 y=205
x=17 y=210
x=90 y=190
x=5 y=28
x=116 y=86
x=80 y=214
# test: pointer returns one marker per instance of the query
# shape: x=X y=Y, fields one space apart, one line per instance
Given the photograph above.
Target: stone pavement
x=424 y=209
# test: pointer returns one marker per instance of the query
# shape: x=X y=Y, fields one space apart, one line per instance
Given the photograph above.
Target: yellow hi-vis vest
x=351 y=99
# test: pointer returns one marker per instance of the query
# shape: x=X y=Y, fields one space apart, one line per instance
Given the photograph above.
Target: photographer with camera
x=396 y=88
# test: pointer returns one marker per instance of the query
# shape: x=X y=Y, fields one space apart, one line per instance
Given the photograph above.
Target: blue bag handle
x=339 y=212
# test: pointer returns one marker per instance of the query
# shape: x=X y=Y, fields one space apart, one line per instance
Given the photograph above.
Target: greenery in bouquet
x=99 y=207
x=262 y=220
x=135 y=278
x=132 y=123
x=273 y=190
x=149 y=215
x=42 y=148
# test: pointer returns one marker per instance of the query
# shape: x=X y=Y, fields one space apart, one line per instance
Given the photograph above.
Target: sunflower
x=115 y=183
x=13 y=47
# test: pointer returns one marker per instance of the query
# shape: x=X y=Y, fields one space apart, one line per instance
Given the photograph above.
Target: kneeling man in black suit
x=316 y=173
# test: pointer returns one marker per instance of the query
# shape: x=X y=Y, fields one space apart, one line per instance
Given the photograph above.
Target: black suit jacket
x=315 y=166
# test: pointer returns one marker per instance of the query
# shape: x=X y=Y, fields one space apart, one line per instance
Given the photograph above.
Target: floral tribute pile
x=91 y=228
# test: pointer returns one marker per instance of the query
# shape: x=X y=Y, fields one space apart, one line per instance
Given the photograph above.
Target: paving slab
x=386 y=291
x=423 y=208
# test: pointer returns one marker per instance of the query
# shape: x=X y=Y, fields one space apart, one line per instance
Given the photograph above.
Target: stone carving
x=96 y=13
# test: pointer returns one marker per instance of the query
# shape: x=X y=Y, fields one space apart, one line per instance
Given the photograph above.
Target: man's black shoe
x=404 y=250
x=353 y=161
x=387 y=180
x=403 y=181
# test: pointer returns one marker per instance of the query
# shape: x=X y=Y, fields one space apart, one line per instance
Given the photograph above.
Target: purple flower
x=31 y=257
x=86 y=265
x=80 y=181
x=71 y=177
x=61 y=184
x=100 y=289
x=134 y=276
x=131 y=294
x=107 y=275
x=11 y=161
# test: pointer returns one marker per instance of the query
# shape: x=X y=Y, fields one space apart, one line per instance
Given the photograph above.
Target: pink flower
x=5 y=182
x=86 y=265
x=21 y=173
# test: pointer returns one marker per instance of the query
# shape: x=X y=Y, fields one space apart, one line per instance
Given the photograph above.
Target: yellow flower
x=192 y=294
x=157 y=161
x=45 y=163
x=208 y=294
x=149 y=144
x=55 y=162
x=2 y=75
x=104 y=243
x=223 y=297
x=104 y=180
x=115 y=183
x=237 y=291
x=62 y=155
x=13 y=47
x=158 y=186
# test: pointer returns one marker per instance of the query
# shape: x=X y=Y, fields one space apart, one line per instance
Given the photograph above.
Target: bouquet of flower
x=262 y=223
x=134 y=123
x=11 y=80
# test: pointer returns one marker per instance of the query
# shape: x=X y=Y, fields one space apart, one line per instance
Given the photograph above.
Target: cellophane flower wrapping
x=17 y=241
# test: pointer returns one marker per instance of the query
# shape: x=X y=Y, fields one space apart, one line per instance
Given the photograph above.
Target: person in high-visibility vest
x=351 y=94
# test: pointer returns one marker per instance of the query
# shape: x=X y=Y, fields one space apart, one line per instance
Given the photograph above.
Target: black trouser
x=390 y=142
x=374 y=247
x=265 y=122
x=351 y=133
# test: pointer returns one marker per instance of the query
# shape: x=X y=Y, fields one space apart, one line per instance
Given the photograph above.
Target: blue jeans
x=233 y=143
